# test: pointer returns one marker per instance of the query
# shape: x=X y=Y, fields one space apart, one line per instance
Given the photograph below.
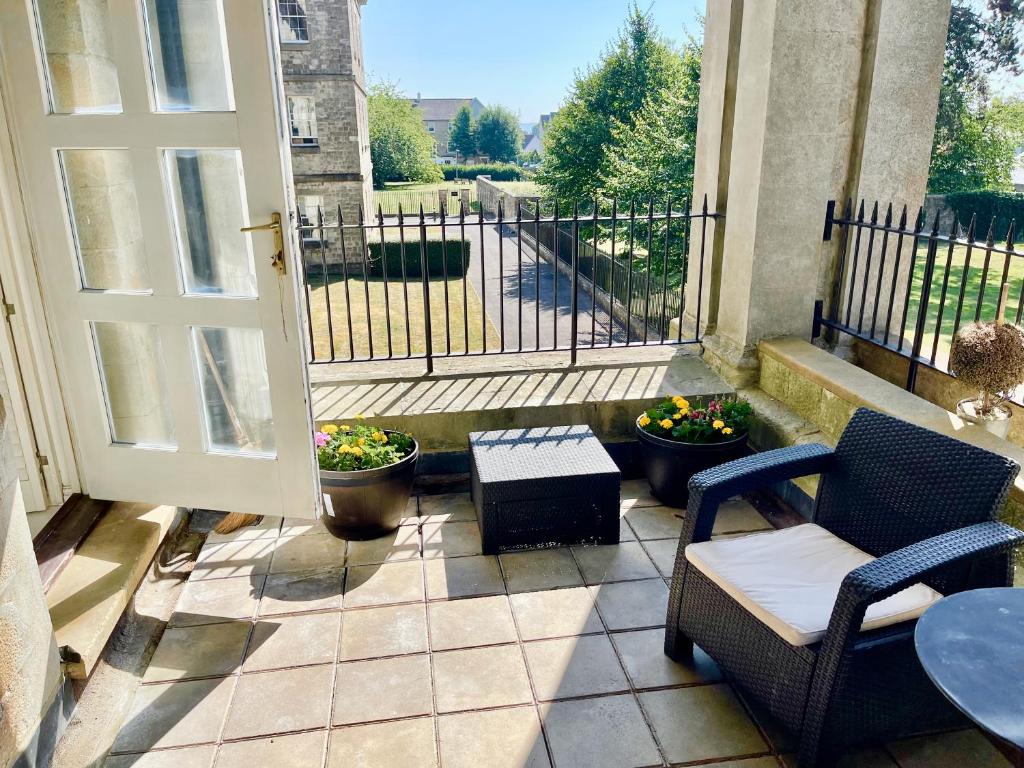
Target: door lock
x=274 y=225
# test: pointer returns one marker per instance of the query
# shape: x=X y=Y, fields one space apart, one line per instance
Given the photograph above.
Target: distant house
x=438 y=115
x=534 y=141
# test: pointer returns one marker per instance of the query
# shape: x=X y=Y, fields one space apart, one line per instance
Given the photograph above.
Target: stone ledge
x=442 y=409
x=826 y=390
x=96 y=586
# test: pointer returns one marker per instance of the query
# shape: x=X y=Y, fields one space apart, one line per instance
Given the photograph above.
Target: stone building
x=438 y=115
x=325 y=84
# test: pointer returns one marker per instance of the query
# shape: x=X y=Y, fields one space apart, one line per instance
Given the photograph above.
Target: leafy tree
x=401 y=149
x=462 y=136
x=635 y=67
x=498 y=134
x=654 y=156
x=972 y=135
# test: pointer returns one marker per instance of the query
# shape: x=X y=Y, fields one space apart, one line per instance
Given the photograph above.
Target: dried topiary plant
x=990 y=358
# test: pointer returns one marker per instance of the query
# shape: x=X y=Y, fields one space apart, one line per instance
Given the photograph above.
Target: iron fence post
x=575 y=281
x=922 y=309
x=427 y=331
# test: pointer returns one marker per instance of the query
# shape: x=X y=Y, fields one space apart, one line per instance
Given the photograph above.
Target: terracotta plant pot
x=368 y=503
x=669 y=464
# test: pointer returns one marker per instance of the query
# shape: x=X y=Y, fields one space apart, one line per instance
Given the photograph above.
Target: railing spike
x=860 y=211
x=919 y=220
x=400 y=214
x=888 y=215
x=1009 y=235
x=422 y=219
x=849 y=209
x=341 y=219
x=990 y=239
x=935 y=224
x=704 y=207
x=380 y=213
x=362 y=215
x=874 y=213
x=903 y=217
x=971 y=227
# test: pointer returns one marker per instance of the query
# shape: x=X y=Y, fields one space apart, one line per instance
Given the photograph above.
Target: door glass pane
x=188 y=55
x=205 y=186
x=76 y=44
x=235 y=389
x=134 y=385
x=105 y=220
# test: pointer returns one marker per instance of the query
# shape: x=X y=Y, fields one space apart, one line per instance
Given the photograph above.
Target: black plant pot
x=669 y=464
x=368 y=503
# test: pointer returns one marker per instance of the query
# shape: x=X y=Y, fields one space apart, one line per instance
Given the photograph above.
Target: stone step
x=94 y=588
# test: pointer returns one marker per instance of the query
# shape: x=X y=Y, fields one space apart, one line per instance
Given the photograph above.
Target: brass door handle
x=277 y=260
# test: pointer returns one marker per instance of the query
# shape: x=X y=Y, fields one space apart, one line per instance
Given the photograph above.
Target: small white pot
x=998 y=422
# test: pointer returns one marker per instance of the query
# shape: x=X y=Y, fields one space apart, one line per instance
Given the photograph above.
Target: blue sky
x=522 y=54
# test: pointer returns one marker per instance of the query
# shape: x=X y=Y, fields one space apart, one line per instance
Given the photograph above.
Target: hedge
x=497 y=172
x=457 y=253
x=986 y=204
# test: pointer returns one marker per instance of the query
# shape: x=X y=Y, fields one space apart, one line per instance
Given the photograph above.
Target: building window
x=430 y=127
x=302 y=112
x=308 y=207
x=293 y=21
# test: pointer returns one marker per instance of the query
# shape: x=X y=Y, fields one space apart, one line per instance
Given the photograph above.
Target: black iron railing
x=909 y=285
x=426 y=286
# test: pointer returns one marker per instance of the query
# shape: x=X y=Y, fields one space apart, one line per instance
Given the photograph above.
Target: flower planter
x=999 y=423
x=368 y=503
x=669 y=464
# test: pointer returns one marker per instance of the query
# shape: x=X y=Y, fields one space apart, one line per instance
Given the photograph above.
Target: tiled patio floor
x=291 y=648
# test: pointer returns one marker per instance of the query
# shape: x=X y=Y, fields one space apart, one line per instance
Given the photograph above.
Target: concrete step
x=94 y=588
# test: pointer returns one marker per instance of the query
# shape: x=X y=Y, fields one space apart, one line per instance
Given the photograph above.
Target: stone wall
x=936 y=204
x=30 y=672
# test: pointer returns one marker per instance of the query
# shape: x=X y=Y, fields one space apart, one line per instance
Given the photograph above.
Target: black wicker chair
x=924 y=505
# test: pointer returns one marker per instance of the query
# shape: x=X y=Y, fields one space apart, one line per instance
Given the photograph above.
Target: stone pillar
x=802 y=102
x=30 y=673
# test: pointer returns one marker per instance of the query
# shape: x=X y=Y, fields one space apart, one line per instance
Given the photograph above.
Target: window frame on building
x=307 y=121
x=297 y=34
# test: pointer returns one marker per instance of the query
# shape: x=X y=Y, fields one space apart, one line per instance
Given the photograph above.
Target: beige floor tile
x=499 y=738
x=284 y=700
x=645 y=661
x=865 y=758
x=233 y=558
x=267 y=529
x=175 y=714
x=753 y=762
x=614 y=562
x=455 y=577
x=297 y=750
x=302 y=591
x=447 y=508
x=383 y=584
x=636 y=493
x=632 y=604
x=480 y=677
x=655 y=522
x=574 y=666
x=401 y=544
x=189 y=757
x=292 y=641
x=948 y=750
x=307 y=553
x=663 y=553
x=201 y=651
x=217 y=600
x=737 y=515
x=451 y=539
x=606 y=732
x=400 y=744
x=555 y=613
x=625 y=532
x=370 y=633
x=297 y=526
x=465 y=623
x=701 y=723
x=382 y=689
x=540 y=569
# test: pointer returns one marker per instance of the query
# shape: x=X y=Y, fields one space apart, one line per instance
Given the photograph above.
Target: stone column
x=825 y=101
x=30 y=673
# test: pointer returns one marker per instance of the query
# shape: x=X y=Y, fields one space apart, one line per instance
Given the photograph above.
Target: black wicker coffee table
x=543 y=487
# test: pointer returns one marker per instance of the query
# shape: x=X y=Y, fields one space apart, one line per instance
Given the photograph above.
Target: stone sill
x=823 y=391
x=607 y=390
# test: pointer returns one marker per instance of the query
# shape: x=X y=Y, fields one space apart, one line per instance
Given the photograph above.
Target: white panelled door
x=150 y=135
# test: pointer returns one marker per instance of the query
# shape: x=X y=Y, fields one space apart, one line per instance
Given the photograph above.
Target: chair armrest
x=708 y=489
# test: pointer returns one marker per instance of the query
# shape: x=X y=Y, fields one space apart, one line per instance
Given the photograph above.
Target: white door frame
x=36 y=402
x=188 y=474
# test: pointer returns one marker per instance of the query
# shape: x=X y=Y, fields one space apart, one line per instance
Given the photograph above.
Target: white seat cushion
x=790 y=578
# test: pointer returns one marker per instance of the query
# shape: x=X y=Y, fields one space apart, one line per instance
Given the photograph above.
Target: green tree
x=653 y=157
x=635 y=67
x=401 y=149
x=462 y=136
x=971 y=148
x=498 y=134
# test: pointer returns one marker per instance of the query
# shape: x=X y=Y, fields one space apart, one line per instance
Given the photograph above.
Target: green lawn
x=379 y=315
x=971 y=289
